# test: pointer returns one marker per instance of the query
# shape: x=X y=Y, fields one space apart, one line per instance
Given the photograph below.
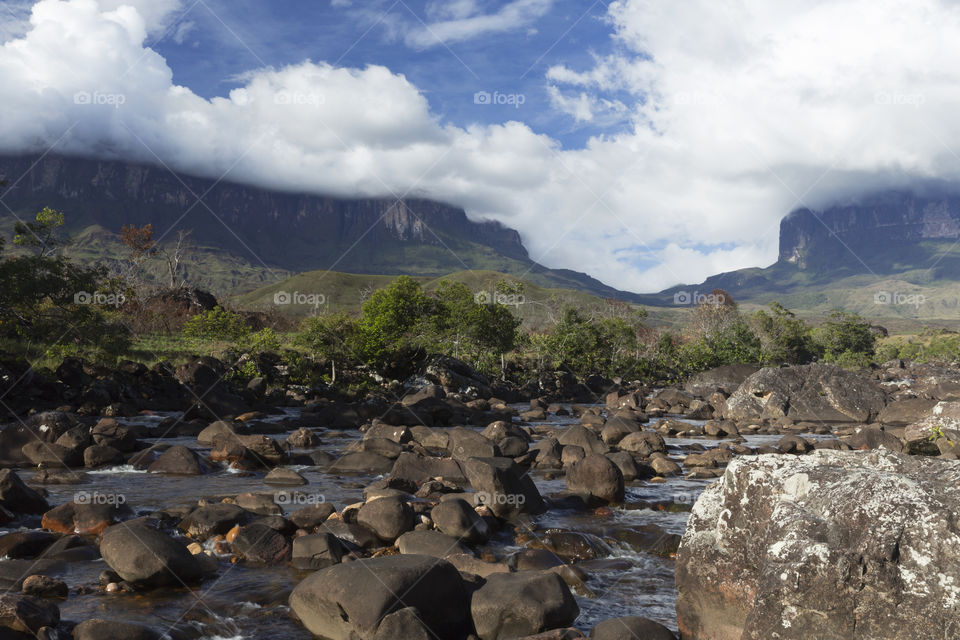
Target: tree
x=714 y=312
x=43 y=234
x=330 y=336
x=174 y=257
x=846 y=339
x=393 y=319
x=784 y=338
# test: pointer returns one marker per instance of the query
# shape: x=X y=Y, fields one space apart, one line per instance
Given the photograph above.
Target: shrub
x=217 y=324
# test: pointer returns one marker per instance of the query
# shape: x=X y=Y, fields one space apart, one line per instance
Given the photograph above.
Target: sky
x=646 y=142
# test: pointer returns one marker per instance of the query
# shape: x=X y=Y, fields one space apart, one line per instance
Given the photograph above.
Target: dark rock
x=44 y=587
x=511 y=605
x=503 y=486
x=430 y=543
x=388 y=517
x=215 y=519
x=312 y=515
x=597 y=479
x=90 y=515
x=726 y=378
x=148 y=558
x=25 y=544
x=458 y=519
x=98 y=629
x=27 y=614
x=101 y=455
x=350 y=601
x=631 y=628
x=317 y=551
x=178 y=460
x=361 y=462
x=262 y=544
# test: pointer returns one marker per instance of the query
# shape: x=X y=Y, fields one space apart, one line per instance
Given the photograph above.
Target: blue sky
x=211 y=45
x=657 y=142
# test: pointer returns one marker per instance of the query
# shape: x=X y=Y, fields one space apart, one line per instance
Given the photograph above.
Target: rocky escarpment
x=832 y=545
x=882 y=228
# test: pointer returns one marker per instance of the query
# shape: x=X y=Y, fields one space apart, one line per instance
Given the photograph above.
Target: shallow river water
x=250 y=601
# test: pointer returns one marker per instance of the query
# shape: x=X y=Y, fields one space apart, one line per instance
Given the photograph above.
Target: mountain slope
x=893 y=254
x=246 y=236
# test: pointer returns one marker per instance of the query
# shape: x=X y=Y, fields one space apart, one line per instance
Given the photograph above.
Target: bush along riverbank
x=141 y=501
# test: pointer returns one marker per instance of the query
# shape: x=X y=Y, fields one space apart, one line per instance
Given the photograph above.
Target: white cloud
x=462 y=20
x=738 y=109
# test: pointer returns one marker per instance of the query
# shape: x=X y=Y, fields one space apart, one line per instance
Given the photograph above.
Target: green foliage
x=41 y=235
x=845 y=339
x=244 y=371
x=394 y=318
x=608 y=346
x=784 y=338
x=217 y=324
x=263 y=341
x=734 y=343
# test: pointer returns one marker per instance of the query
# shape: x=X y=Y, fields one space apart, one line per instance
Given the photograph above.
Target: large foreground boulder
x=349 y=601
x=835 y=544
x=812 y=392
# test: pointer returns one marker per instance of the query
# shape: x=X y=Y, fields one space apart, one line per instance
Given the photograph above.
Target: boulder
x=512 y=605
x=404 y=624
x=630 y=628
x=814 y=392
x=26 y=614
x=458 y=519
x=284 y=477
x=822 y=546
x=466 y=443
x=597 y=479
x=148 y=558
x=430 y=543
x=89 y=515
x=907 y=411
x=643 y=443
x=582 y=437
x=361 y=462
x=260 y=543
x=317 y=551
x=214 y=519
x=312 y=515
x=25 y=544
x=726 y=379
x=503 y=486
x=44 y=587
x=178 y=460
x=388 y=517
x=97 y=629
x=416 y=469
x=17 y=497
x=101 y=455
x=350 y=601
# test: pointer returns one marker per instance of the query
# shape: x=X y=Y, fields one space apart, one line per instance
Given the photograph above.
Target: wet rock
x=25 y=544
x=303 y=438
x=219 y=428
x=148 y=558
x=643 y=443
x=109 y=432
x=349 y=601
x=404 y=624
x=873 y=437
x=819 y=546
x=415 y=469
x=351 y=533
x=316 y=551
x=260 y=503
x=27 y=614
x=458 y=519
x=87 y=517
x=503 y=486
x=466 y=443
x=44 y=587
x=211 y=520
x=511 y=605
x=50 y=454
x=260 y=543
x=312 y=515
x=631 y=628
x=178 y=460
x=285 y=477
x=628 y=466
x=361 y=462
x=582 y=437
x=98 y=629
x=430 y=543
x=501 y=429
x=252 y=450
x=664 y=466
x=468 y=563
x=56 y=476
x=597 y=479
x=387 y=517
x=101 y=455
x=816 y=392
x=907 y=411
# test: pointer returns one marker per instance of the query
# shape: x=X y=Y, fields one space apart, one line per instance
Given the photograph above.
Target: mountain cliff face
x=267 y=230
x=885 y=233
x=289 y=230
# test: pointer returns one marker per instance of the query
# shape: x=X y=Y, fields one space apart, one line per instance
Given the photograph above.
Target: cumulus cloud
x=737 y=113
